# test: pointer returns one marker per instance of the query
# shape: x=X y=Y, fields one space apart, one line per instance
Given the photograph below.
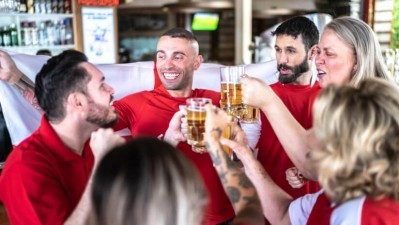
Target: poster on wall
x=99 y=34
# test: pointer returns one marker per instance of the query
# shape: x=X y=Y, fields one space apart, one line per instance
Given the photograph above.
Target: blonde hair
x=358 y=128
x=364 y=44
x=148 y=182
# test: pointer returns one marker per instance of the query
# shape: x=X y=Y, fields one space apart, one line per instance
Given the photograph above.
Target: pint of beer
x=196 y=115
x=231 y=97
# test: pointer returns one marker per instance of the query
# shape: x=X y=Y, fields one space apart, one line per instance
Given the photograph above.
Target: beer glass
x=196 y=115
x=231 y=97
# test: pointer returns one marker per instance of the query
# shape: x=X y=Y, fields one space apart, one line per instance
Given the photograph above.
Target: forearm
x=82 y=212
x=291 y=135
x=275 y=201
x=238 y=187
x=27 y=89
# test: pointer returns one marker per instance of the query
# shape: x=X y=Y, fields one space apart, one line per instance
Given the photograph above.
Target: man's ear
x=76 y=100
x=313 y=52
x=198 y=61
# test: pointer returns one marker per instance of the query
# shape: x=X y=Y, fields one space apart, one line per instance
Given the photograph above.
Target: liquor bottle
x=13 y=35
x=57 y=38
x=54 y=6
x=68 y=32
x=50 y=32
x=42 y=34
x=62 y=33
x=26 y=39
x=48 y=6
x=23 y=8
x=1 y=38
x=67 y=6
x=6 y=36
x=31 y=6
x=61 y=6
x=34 y=34
x=37 y=6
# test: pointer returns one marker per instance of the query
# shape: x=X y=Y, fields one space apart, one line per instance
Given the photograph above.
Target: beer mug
x=231 y=96
x=196 y=115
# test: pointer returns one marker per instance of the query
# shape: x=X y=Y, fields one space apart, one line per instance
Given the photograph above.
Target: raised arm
x=275 y=201
x=12 y=75
x=101 y=142
x=290 y=133
x=238 y=187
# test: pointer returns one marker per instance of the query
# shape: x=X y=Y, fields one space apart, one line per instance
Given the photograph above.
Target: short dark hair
x=179 y=32
x=43 y=52
x=60 y=76
x=299 y=25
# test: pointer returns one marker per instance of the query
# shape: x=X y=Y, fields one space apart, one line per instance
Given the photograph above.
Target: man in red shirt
x=149 y=112
x=45 y=177
x=295 y=39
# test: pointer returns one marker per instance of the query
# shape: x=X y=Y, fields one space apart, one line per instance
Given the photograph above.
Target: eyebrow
x=174 y=53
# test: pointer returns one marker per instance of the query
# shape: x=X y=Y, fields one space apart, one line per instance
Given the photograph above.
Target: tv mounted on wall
x=205 y=21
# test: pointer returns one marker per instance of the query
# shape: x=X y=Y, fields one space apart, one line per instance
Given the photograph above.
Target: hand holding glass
x=196 y=115
x=231 y=96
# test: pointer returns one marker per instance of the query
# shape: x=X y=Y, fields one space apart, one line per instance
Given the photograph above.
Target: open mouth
x=170 y=76
x=320 y=73
x=285 y=71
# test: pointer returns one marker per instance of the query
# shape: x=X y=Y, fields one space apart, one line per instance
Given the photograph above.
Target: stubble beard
x=297 y=71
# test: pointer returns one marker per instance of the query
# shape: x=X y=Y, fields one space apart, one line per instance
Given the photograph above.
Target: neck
x=72 y=134
x=180 y=93
x=304 y=79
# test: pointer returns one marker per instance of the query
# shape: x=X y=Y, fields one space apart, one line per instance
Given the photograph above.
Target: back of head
x=149 y=182
x=60 y=76
x=358 y=128
x=178 y=32
x=299 y=25
x=363 y=41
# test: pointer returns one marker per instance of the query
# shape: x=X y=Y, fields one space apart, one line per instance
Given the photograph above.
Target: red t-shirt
x=43 y=180
x=149 y=113
x=317 y=209
x=298 y=100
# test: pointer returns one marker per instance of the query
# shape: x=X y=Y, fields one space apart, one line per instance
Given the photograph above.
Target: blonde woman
x=355 y=144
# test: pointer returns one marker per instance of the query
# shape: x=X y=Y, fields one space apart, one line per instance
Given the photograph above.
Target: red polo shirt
x=43 y=180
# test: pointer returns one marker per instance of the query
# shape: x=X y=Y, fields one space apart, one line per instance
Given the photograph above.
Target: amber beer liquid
x=230 y=98
x=196 y=115
x=231 y=102
x=196 y=129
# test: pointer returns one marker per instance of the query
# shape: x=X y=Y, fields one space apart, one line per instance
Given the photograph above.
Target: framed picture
x=99 y=34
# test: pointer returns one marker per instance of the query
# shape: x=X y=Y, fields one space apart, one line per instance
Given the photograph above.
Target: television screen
x=205 y=21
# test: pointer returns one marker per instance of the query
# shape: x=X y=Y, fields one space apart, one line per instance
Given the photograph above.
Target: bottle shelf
x=32 y=23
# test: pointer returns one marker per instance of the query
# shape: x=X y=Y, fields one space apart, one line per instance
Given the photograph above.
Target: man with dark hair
x=295 y=40
x=46 y=175
x=149 y=112
x=153 y=112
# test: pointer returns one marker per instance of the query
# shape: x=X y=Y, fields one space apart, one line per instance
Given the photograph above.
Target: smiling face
x=177 y=58
x=292 y=59
x=99 y=98
x=335 y=60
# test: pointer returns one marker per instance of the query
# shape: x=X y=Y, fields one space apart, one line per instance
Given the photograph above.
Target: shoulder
x=300 y=209
x=366 y=211
x=132 y=99
x=349 y=211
